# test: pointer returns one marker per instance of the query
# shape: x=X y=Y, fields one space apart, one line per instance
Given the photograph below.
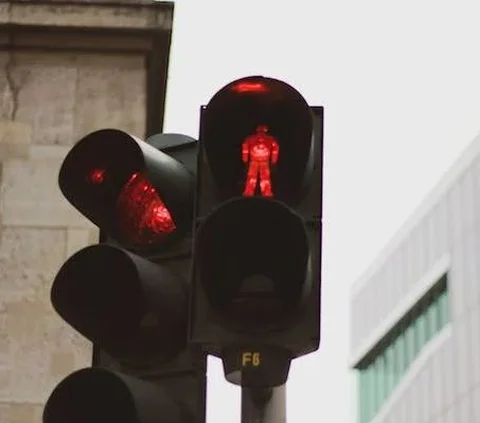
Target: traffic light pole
x=264 y=405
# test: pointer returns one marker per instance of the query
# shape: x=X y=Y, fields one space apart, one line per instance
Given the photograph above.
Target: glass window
x=402 y=345
x=432 y=320
x=400 y=357
x=362 y=394
x=421 y=330
x=380 y=393
x=390 y=369
x=443 y=308
x=370 y=393
x=410 y=344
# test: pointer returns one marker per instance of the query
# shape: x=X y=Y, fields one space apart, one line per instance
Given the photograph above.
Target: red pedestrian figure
x=259 y=150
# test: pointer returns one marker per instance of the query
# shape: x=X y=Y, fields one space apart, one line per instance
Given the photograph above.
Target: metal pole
x=264 y=405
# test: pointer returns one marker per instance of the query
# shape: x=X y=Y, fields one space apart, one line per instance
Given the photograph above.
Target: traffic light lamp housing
x=142 y=199
x=139 y=195
x=236 y=112
x=121 y=301
x=257 y=261
x=99 y=395
x=239 y=280
x=129 y=294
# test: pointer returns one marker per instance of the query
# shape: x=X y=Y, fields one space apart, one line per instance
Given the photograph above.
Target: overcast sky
x=400 y=83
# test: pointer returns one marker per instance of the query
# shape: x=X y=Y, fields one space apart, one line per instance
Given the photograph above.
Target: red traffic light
x=257 y=138
x=97 y=176
x=139 y=195
x=142 y=218
x=259 y=152
x=142 y=215
x=246 y=86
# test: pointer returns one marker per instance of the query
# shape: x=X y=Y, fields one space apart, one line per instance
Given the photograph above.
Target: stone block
x=21 y=413
x=15 y=140
x=4 y=12
x=104 y=16
x=29 y=260
x=61 y=363
x=110 y=94
x=30 y=192
x=37 y=359
x=36 y=343
x=44 y=88
x=4 y=59
x=80 y=238
x=6 y=98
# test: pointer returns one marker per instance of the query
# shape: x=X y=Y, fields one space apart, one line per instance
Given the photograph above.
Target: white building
x=415 y=314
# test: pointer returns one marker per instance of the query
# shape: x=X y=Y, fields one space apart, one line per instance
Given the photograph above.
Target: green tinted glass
x=432 y=320
x=390 y=369
x=400 y=360
x=404 y=343
x=443 y=309
x=410 y=344
x=421 y=331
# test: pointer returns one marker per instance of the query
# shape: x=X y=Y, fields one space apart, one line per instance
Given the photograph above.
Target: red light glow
x=249 y=87
x=143 y=216
x=97 y=176
x=259 y=151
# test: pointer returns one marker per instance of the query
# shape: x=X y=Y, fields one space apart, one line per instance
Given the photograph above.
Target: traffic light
x=257 y=258
x=129 y=294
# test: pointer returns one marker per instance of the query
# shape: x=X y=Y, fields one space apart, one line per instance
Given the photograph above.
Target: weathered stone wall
x=48 y=100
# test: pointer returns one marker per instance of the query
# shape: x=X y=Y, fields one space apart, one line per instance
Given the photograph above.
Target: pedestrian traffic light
x=129 y=294
x=257 y=257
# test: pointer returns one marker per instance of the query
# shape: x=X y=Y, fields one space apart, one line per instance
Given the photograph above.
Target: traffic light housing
x=129 y=294
x=256 y=273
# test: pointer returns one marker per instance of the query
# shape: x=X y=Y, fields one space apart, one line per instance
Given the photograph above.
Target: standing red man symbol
x=259 y=150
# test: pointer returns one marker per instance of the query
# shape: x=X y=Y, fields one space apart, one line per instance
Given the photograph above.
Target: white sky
x=400 y=83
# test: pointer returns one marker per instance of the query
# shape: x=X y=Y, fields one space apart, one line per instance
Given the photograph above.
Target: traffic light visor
x=122 y=184
x=90 y=396
x=96 y=395
x=123 y=302
x=257 y=135
x=253 y=260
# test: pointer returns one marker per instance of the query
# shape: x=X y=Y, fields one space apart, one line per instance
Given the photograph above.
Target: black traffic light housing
x=255 y=298
x=98 y=395
x=129 y=294
x=114 y=177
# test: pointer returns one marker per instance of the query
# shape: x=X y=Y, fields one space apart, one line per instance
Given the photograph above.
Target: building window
x=384 y=366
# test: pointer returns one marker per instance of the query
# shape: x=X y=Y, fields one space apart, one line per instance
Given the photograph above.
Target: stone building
x=66 y=68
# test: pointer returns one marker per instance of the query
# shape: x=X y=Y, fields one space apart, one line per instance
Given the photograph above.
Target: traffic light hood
x=125 y=303
x=236 y=112
x=253 y=261
x=99 y=396
x=138 y=194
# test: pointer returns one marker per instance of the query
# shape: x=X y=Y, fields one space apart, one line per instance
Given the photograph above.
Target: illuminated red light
x=97 y=176
x=142 y=216
x=249 y=87
x=259 y=152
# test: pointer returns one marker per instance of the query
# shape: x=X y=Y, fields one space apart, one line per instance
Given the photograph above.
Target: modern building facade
x=415 y=314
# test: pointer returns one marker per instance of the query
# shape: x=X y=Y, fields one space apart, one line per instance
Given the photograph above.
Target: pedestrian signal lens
x=268 y=125
x=142 y=216
x=259 y=152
